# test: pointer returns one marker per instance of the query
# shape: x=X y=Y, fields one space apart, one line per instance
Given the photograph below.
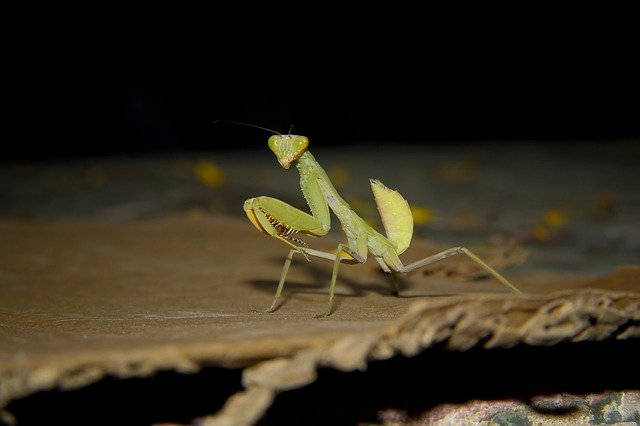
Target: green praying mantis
x=282 y=221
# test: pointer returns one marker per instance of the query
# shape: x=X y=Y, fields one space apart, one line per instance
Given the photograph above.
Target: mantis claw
x=323 y=315
x=302 y=252
x=263 y=311
x=327 y=312
x=272 y=308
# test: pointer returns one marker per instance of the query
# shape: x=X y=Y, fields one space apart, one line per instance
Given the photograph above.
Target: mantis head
x=288 y=148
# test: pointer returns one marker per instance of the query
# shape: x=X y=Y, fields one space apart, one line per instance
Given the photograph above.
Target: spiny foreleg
x=281 y=220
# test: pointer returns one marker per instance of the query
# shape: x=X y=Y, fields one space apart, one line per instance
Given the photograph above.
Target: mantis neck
x=311 y=175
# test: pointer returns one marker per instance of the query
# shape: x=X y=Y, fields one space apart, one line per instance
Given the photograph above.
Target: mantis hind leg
x=452 y=252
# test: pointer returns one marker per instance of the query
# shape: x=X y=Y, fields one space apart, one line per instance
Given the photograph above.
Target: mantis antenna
x=239 y=123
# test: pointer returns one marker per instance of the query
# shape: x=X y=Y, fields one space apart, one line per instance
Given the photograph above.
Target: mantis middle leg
x=337 y=258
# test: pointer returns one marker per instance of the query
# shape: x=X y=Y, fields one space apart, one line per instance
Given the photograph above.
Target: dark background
x=156 y=97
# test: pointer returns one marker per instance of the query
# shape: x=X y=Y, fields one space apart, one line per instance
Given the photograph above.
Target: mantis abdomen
x=395 y=214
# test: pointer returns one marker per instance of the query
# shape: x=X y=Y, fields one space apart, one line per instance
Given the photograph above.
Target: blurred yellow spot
x=540 y=233
x=371 y=222
x=96 y=176
x=364 y=208
x=356 y=202
x=554 y=218
x=421 y=215
x=209 y=174
x=458 y=171
x=464 y=219
x=339 y=176
x=196 y=213
x=604 y=204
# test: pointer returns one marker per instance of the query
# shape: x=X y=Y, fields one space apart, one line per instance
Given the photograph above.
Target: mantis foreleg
x=280 y=220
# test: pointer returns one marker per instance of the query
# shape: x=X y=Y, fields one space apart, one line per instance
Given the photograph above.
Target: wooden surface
x=83 y=299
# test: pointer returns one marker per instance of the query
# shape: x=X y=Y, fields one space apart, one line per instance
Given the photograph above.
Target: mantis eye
x=273 y=142
x=302 y=143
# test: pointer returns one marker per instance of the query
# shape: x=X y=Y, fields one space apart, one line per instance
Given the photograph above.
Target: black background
x=76 y=97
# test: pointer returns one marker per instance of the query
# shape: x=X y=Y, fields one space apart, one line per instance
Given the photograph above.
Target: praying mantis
x=282 y=221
